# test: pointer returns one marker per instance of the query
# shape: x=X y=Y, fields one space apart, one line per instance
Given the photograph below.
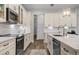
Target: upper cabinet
x=20 y=14
x=2 y=13
x=1 y=10
x=51 y=19
x=57 y=19
x=70 y=21
x=14 y=7
x=18 y=9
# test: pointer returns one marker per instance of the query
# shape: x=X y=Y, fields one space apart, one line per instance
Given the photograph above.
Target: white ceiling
x=48 y=8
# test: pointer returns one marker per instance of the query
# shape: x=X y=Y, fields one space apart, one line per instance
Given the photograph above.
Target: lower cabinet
x=50 y=44
x=8 y=47
x=27 y=40
x=67 y=50
x=77 y=52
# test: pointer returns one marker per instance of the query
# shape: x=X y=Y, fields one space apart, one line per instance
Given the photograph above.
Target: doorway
x=35 y=27
x=38 y=26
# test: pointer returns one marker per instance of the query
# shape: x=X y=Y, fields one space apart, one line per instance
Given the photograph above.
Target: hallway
x=38 y=45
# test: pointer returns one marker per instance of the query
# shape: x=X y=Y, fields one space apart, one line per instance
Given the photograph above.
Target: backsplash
x=10 y=29
x=58 y=30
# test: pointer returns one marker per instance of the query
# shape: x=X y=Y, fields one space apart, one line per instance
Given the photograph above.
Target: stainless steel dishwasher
x=56 y=47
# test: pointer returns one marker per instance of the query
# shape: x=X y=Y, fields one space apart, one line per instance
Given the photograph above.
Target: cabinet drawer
x=6 y=44
x=5 y=52
x=65 y=49
x=8 y=51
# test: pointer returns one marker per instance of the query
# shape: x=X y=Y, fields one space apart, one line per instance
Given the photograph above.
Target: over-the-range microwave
x=11 y=16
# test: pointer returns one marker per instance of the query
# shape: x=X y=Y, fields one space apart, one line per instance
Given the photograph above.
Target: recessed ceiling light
x=51 y=5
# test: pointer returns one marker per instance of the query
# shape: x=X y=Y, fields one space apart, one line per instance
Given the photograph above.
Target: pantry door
x=40 y=26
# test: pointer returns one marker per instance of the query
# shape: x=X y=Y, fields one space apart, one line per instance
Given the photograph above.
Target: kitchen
x=39 y=29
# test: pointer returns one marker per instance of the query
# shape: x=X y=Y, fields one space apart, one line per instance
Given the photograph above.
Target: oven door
x=19 y=45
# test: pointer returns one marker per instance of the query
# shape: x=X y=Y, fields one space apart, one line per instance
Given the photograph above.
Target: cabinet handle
x=6 y=44
x=7 y=53
x=65 y=49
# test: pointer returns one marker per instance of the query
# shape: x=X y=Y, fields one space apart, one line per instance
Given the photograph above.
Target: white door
x=40 y=26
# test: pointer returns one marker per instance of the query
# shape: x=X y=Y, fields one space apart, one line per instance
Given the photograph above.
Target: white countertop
x=2 y=39
x=70 y=40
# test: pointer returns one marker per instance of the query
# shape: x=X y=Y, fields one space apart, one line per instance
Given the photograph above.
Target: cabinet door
x=14 y=7
x=52 y=19
x=3 y=13
x=50 y=44
x=46 y=40
x=27 y=41
x=66 y=50
x=77 y=52
x=31 y=38
x=73 y=20
x=21 y=14
x=68 y=20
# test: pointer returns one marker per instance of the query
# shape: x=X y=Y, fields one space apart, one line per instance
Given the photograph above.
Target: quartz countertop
x=3 y=39
x=70 y=40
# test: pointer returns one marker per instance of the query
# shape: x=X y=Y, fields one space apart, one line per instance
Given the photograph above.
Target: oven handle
x=19 y=39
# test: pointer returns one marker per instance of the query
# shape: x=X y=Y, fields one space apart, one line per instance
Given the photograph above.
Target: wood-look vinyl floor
x=38 y=44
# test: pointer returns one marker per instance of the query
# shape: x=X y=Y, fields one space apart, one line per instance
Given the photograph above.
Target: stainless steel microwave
x=11 y=16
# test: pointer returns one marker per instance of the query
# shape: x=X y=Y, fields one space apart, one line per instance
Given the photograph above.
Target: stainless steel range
x=19 y=45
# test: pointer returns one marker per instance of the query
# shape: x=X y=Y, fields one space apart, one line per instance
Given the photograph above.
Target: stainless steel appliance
x=56 y=47
x=11 y=16
x=19 y=45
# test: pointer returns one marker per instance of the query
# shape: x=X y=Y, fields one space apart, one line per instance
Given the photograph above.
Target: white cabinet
x=50 y=44
x=68 y=20
x=23 y=15
x=66 y=50
x=77 y=52
x=45 y=38
x=57 y=19
x=51 y=19
x=3 y=13
x=27 y=40
x=14 y=7
x=8 y=47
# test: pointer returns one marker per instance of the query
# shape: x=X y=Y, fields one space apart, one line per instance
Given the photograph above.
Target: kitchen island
x=69 y=45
